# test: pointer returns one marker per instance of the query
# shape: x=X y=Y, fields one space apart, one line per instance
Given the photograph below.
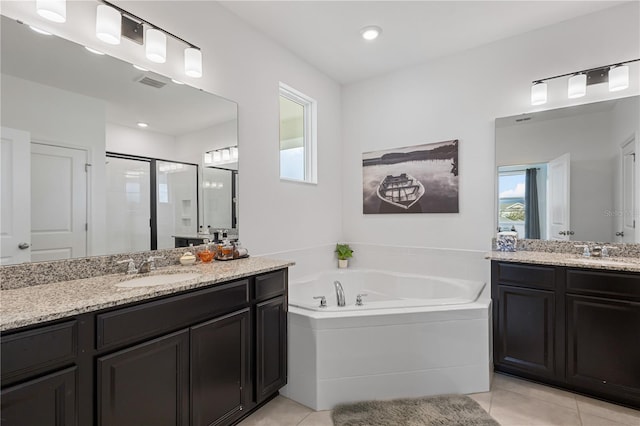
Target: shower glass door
x=177 y=202
x=128 y=205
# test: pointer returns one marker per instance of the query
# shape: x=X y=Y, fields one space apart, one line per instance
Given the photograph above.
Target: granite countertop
x=31 y=305
x=629 y=264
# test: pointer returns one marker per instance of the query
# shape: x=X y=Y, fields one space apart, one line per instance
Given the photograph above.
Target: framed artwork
x=412 y=179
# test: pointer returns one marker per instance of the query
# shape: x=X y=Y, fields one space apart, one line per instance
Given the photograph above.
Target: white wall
x=67 y=119
x=243 y=65
x=459 y=97
x=126 y=140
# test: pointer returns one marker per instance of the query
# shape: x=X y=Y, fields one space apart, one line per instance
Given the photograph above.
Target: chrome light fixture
x=221 y=156
x=53 y=10
x=617 y=75
x=113 y=22
x=108 y=24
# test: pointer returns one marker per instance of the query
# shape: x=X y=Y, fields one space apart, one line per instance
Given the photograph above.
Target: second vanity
x=206 y=351
x=568 y=322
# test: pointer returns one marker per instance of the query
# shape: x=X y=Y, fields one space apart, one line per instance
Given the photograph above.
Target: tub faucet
x=339 y=293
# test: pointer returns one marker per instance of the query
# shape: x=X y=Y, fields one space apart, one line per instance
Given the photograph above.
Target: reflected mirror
x=570 y=173
x=80 y=175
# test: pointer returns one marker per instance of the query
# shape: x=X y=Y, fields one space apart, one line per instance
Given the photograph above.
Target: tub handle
x=323 y=301
x=359 y=299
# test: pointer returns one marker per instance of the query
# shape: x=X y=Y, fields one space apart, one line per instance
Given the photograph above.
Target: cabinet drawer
x=35 y=351
x=270 y=285
x=601 y=283
x=154 y=318
x=526 y=275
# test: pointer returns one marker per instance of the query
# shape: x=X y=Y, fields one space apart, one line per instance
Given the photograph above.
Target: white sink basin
x=603 y=262
x=153 y=280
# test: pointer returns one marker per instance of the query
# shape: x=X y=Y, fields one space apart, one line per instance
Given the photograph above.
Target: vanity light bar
x=156 y=42
x=616 y=74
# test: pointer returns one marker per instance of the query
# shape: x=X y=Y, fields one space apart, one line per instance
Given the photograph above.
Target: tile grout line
x=303 y=419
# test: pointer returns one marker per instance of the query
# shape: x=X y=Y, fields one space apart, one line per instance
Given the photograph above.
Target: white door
x=558 y=186
x=629 y=198
x=58 y=202
x=14 y=196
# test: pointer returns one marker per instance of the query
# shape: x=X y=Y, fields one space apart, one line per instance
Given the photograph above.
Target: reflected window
x=297 y=136
x=511 y=201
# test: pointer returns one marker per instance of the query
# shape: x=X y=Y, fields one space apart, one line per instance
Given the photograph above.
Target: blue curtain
x=531 y=210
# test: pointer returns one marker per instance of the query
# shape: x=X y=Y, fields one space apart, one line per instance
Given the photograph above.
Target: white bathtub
x=383 y=289
x=437 y=343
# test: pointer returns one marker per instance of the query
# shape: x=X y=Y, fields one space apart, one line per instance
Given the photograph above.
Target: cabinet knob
x=24 y=246
x=620 y=234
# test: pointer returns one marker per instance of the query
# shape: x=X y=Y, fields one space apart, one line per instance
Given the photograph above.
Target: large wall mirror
x=79 y=175
x=570 y=173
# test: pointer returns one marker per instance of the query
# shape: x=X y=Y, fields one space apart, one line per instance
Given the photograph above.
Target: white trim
x=310 y=118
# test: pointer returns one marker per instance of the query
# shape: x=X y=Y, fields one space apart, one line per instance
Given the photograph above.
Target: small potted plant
x=344 y=253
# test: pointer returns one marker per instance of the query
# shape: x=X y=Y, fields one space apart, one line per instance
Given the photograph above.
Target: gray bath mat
x=450 y=410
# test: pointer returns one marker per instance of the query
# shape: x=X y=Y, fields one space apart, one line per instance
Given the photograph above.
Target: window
x=297 y=136
x=511 y=203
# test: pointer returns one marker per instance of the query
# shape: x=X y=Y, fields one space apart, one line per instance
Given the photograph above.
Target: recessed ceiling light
x=143 y=125
x=138 y=67
x=92 y=50
x=39 y=31
x=177 y=81
x=371 y=32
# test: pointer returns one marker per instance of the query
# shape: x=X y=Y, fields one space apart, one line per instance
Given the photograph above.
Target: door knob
x=620 y=234
x=24 y=246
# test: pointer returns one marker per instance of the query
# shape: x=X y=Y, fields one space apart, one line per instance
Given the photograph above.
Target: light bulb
x=53 y=10
x=618 y=78
x=208 y=158
x=226 y=155
x=156 y=46
x=577 y=86
x=217 y=156
x=108 y=24
x=193 y=62
x=234 y=152
x=371 y=32
x=539 y=93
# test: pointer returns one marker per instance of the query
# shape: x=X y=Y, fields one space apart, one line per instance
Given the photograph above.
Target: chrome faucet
x=339 y=293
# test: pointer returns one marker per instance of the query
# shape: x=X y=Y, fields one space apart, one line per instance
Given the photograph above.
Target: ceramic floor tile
x=617 y=413
x=318 y=418
x=591 y=420
x=511 y=408
x=484 y=399
x=534 y=390
x=280 y=411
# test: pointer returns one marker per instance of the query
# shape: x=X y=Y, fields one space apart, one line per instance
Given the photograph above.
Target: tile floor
x=512 y=402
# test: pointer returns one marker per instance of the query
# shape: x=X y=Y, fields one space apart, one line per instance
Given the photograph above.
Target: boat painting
x=402 y=191
x=412 y=179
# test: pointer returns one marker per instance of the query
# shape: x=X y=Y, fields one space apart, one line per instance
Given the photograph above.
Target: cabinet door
x=147 y=384
x=525 y=339
x=219 y=368
x=271 y=347
x=603 y=343
x=48 y=400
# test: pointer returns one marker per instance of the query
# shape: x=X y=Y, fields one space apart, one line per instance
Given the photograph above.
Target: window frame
x=309 y=136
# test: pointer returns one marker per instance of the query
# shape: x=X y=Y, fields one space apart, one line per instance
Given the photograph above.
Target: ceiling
x=327 y=33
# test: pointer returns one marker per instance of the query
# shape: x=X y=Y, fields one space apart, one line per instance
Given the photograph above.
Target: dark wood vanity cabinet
x=204 y=357
x=569 y=327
